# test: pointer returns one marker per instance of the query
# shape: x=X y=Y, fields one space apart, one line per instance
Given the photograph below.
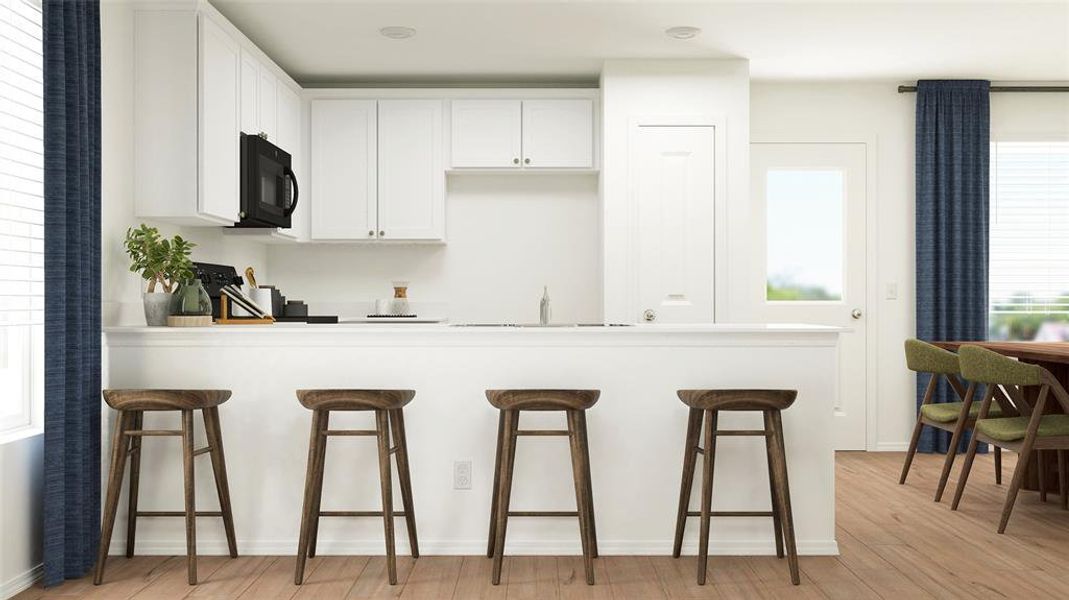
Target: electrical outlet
x=461 y=474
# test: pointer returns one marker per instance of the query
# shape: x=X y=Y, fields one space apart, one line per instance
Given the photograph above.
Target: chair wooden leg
x=382 y=425
x=310 y=479
x=317 y=488
x=504 y=493
x=707 y=493
x=1015 y=483
x=952 y=452
x=963 y=478
x=578 y=476
x=135 y=480
x=777 y=520
x=491 y=537
x=111 y=503
x=190 y=496
x=1063 y=485
x=214 y=432
x=913 y=441
x=690 y=459
x=783 y=494
x=998 y=465
x=1041 y=463
x=397 y=423
x=584 y=445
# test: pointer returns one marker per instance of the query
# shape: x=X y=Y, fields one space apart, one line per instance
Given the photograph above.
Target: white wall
x=875 y=112
x=636 y=89
x=508 y=235
x=122 y=289
x=21 y=466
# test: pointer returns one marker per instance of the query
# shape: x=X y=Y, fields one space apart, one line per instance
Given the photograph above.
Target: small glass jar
x=191 y=300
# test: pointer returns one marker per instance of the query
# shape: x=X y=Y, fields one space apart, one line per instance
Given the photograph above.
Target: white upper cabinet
x=250 y=99
x=267 y=91
x=344 y=170
x=486 y=134
x=219 y=149
x=523 y=134
x=289 y=138
x=558 y=134
x=411 y=201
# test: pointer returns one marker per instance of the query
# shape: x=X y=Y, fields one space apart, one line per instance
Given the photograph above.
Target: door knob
x=856 y=313
x=649 y=315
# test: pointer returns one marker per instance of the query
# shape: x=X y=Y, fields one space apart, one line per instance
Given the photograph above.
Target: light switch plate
x=890 y=290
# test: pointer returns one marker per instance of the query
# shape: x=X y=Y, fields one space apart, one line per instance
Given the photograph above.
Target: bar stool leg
x=317 y=487
x=190 y=496
x=397 y=422
x=784 y=494
x=578 y=476
x=310 y=479
x=690 y=459
x=1041 y=461
x=584 y=444
x=382 y=422
x=497 y=483
x=135 y=478
x=222 y=486
x=777 y=521
x=998 y=465
x=707 y=493
x=504 y=493
x=111 y=504
x=1063 y=491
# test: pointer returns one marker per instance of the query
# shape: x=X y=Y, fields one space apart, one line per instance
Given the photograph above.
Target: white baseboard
x=21 y=582
x=892 y=446
x=174 y=547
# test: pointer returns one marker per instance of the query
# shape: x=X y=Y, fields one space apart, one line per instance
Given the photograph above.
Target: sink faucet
x=543 y=307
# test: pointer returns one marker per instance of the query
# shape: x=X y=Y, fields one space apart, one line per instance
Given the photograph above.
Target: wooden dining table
x=1052 y=356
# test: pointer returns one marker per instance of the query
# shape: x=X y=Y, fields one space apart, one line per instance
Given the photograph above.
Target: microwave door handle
x=288 y=172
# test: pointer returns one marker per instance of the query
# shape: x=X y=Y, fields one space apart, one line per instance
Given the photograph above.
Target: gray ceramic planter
x=157 y=308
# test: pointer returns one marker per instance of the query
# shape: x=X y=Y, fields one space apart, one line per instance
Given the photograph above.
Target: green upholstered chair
x=1030 y=431
x=954 y=417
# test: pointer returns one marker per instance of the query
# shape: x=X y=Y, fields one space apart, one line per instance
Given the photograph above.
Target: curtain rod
x=904 y=89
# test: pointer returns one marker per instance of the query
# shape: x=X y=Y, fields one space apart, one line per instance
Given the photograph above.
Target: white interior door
x=810 y=200
x=672 y=179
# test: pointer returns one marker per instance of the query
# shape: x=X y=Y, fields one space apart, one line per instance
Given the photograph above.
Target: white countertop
x=349 y=328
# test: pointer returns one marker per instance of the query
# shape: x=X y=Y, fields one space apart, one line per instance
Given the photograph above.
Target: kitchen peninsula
x=636 y=430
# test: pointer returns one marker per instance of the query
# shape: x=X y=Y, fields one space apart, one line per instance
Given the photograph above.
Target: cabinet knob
x=649 y=315
x=526 y=161
x=371 y=233
x=515 y=161
x=382 y=233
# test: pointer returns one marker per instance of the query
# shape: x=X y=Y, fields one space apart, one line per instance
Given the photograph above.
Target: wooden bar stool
x=706 y=404
x=574 y=404
x=131 y=406
x=387 y=405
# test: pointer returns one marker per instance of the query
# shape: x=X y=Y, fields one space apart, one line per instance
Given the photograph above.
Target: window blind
x=21 y=164
x=1029 y=252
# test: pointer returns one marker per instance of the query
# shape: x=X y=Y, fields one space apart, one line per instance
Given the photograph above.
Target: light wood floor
x=895 y=543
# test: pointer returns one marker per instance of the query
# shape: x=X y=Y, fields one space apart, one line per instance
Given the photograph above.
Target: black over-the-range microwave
x=268 y=185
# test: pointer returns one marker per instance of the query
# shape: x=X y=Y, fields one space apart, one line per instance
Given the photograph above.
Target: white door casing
x=672 y=176
x=845 y=162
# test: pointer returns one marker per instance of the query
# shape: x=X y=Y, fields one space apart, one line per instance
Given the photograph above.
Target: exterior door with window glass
x=810 y=256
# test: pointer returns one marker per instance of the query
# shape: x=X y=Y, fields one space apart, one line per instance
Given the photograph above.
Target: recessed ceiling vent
x=397 y=32
x=682 y=32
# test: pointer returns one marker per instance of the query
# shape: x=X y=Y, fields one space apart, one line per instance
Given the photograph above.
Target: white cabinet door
x=250 y=99
x=219 y=134
x=344 y=169
x=289 y=139
x=411 y=173
x=268 y=94
x=672 y=182
x=558 y=134
x=486 y=134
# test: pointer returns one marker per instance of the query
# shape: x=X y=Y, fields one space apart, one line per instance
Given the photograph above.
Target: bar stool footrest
x=358 y=513
x=733 y=513
x=176 y=513
x=543 y=513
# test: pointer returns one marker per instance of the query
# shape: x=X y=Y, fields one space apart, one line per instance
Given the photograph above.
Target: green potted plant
x=163 y=263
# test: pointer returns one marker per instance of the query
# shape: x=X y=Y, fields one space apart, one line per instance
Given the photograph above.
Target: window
x=805 y=235
x=1029 y=260
x=21 y=218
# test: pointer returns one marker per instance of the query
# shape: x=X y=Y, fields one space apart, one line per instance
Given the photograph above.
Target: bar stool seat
x=510 y=403
x=354 y=399
x=389 y=418
x=705 y=406
x=542 y=399
x=131 y=405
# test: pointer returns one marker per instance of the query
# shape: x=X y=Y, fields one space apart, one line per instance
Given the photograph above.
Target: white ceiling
x=337 y=41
